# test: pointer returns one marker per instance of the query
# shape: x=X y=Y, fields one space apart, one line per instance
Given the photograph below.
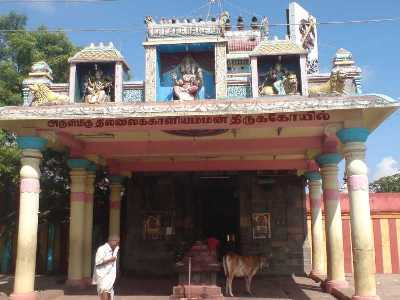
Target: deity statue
x=279 y=81
x=97 y=87
x=187 y=87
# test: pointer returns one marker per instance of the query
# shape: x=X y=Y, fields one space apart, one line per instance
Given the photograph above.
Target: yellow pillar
x=78 y=176
x=318 y=244
x=361 y=224
x=115 y=205
x=28 y=217
x=88 y=224
x=333 y=221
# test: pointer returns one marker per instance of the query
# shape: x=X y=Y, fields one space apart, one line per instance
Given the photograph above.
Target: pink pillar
x=24 y=282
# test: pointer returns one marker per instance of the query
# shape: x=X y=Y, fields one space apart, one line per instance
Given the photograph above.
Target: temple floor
x=276 y=287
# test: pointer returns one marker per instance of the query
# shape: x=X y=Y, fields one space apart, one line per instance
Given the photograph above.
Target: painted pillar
x=303 y=74
x=333 y=221
x=24 y=283
x=221 y=88
x=72 y=82
x=115 y=205
x=361 y=224
x=88 y=224
x=318 y=245
x=78 y=176
x=150 y=87
x=254 y=76
x=119 y=73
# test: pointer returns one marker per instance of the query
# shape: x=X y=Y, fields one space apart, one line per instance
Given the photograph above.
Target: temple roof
x=277 y=47
x=188 y=108
x=99 y=53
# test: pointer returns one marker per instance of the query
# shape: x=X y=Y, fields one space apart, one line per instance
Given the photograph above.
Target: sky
x=375 y=46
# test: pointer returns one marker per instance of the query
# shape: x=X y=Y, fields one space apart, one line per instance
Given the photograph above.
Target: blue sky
x=375 y=47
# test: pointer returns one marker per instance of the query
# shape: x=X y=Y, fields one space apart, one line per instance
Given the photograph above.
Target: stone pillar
x=119 y=73
x=221 y=88
x=24 y=283
x=115 y=205
x=72 y=82
x=254 y=76
x=361 y=225
x=88 y=224
x=318 y=245
x=150 y=86
x=78 y=176
x=333 y=221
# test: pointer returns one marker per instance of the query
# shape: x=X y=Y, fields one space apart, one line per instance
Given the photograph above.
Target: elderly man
x=105 y=269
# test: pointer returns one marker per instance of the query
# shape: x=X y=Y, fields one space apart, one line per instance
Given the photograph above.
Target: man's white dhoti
x=104 y=275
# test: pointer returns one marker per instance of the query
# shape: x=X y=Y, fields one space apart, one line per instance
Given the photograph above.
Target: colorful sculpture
x=187 y=87
x=279 y=81
x=42 y=95
x=97 y=88
x=335 y=85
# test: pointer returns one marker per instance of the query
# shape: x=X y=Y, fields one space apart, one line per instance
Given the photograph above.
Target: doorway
x=220 y=210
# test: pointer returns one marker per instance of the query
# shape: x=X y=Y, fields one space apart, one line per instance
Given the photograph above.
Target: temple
x=221 y=138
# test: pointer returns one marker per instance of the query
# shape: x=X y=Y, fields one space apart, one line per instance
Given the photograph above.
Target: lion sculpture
x=290 y=85
x=335 y=85
x=42 y=95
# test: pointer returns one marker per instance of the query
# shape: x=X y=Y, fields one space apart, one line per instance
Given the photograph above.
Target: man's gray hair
x=113 y=237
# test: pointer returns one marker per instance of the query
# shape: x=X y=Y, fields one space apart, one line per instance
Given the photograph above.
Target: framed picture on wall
x=261 y=224
x=152 y=227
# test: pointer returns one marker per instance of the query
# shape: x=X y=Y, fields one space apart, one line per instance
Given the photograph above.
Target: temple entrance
x=220 y=210
x=252 y=213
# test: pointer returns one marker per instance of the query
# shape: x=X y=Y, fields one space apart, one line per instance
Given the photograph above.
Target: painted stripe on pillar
x=348 y=268
x=394 y=250
x=30 y=185
x=387 y=260
x=309 y=234
x=378 y=245
x=331 y=194
x=115 y=204
x=78 y=197
x=88 y=198
x=398 y=238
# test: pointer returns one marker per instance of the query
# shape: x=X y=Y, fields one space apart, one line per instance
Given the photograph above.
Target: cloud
x=386 y=167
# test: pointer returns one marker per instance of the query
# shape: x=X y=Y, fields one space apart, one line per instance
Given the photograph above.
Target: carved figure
x=223 y=20
x=148 y=20
x=97 y=88
x=335 y=85
x=42 y=95
x=291 y=85
x=187 y=87
x=279 y=81
x=307 y=30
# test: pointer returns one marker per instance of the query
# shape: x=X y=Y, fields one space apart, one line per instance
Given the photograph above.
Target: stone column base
x=203 y=292
x=365 y=297
x=335 y=284
x=24 y=296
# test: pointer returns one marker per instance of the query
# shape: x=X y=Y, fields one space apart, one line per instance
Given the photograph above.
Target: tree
x=388 y=184
x=19 y=49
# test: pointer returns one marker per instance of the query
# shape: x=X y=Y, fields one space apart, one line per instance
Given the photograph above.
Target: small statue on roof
x=97 y=87
x=190 y=82
x=279 y=81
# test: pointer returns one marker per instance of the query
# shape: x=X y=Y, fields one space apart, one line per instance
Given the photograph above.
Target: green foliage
x=19 y=50
x=388 y=184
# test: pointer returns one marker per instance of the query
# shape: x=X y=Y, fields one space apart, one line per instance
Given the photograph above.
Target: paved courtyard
x=282 y=288
x=279 y=288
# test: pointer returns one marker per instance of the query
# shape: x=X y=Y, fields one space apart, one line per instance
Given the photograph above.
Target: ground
x=278 y=288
